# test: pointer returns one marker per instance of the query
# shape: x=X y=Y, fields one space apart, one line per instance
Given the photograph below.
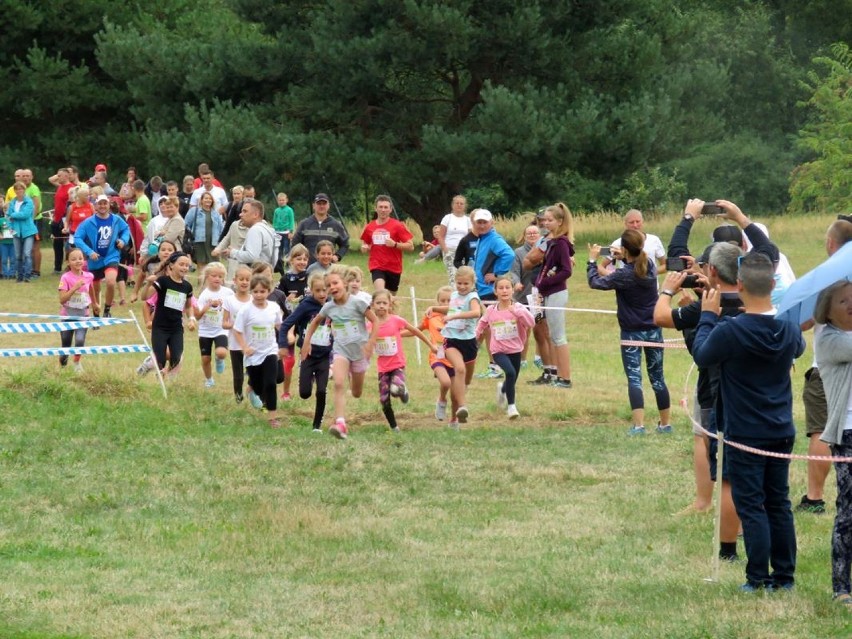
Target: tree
x=824 y=182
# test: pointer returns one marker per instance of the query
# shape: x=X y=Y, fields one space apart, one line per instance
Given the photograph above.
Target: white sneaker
x=146 y=366
x=440 y=410
x=501 y=396
x=78 y=368
x=512 y=412
x=254 y=400
x=209 y=383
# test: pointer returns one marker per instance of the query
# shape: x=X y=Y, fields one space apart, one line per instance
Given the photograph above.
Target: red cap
x=101 y=167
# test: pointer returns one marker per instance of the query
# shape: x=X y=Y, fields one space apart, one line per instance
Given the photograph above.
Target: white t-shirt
x=220 y=198
x=233 y=306
x=259 y=327
x=457 y=227
x=210 y=324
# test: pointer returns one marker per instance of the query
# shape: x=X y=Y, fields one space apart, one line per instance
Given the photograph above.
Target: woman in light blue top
x=21 y=212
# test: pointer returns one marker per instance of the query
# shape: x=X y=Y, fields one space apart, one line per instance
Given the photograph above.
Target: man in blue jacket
x=754 y=352
x=493 y=255
x=101 y=238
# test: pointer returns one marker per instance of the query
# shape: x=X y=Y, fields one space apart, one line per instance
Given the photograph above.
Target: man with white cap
x=101 y=238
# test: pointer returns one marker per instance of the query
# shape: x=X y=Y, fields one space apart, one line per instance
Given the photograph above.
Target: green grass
x=126 y=516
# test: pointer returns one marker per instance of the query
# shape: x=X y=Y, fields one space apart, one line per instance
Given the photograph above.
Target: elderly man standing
x=321 y=226
x=653 y=245
x=261 y=238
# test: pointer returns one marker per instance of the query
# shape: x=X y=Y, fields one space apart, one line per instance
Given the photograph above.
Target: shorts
x=450 y=370
x=467 y=347
x=100 y=273
x=391 y=279
x=206 y=344
x=355 y=366
x=813 y=396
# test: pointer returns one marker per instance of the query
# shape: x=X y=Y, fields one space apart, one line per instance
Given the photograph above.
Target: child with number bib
x=314 y=370
x=440 y=365
x=390 y=358
x=75 y=296
x=509 y=322
x=232 y=306
x=293 y=283
x=209 y=311
x=352 y=345
x=174 y=301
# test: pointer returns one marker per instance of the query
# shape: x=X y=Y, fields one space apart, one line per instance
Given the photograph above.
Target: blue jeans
x=761 y=491
x=7 y=259
x=24 y=256
x=631 y=360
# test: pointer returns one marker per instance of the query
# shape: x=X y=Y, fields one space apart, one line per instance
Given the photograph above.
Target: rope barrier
x=55 y=327
x=74 y=350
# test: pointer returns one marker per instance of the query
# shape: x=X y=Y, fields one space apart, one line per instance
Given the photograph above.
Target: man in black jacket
x=321 y=226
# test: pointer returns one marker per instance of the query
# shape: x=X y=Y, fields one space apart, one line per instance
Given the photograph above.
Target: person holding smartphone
x=653 y=246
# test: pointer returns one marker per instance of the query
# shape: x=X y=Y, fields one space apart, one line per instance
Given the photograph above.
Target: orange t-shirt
x=434 y=325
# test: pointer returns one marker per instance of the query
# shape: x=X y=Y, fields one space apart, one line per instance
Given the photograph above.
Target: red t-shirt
x=384 y=258
x=60 y=201
x=79 y=214
x=388 y=350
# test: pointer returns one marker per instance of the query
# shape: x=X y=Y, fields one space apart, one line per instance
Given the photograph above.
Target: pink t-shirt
x=389 y=353
x=508 y=328
x=78 y=304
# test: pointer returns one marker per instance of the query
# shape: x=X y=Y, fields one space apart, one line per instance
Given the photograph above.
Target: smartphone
x=676 y=264
x=712 y=209
x=606 y=251
x=690 y=281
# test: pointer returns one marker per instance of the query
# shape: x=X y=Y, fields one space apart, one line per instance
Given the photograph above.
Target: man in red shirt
x=60 y=207
x=385 y=239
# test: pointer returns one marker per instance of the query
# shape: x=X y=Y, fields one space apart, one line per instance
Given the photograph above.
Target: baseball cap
x=482 y=214
x=321 y=197
x=101 y=167
x=705 y=256
x=102 y=198
x=727 y=233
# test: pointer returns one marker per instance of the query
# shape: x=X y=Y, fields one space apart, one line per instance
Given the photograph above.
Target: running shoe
x=462 y=414
x=220 y=365
x=339 y=429
x=542 y=380
x=512 y=412
x=440 y=410
x=636 y=430
x=209 y=383
x=254 y=400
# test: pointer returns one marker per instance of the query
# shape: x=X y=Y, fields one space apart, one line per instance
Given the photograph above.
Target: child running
x=390 y=357
x=209 y=311
x=509 y=322
x=440 y=365
x=231 y=308
x=352 y=345
x=256 y=328
x=174 y=302
x=293 y=284
x=75 y=298
x=459 y=332
x=324 y=255
x=315 y=368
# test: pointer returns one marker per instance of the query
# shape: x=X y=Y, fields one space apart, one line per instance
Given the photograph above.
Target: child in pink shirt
x=75 y=298
x=390 y=358
x=509 y=322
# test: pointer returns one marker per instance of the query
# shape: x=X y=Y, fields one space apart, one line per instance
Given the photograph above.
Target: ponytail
x=633 y=243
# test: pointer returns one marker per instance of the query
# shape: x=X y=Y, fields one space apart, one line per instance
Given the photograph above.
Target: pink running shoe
x=339 y=429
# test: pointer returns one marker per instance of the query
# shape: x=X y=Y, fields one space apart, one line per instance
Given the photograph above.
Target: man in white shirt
x=653 y=245
x=220 y=198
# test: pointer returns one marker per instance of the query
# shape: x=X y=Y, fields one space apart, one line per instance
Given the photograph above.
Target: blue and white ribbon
x=74 y=350
x=55 y=327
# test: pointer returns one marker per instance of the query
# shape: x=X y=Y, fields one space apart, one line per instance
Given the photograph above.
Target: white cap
x=482 y=214
x=102 y=198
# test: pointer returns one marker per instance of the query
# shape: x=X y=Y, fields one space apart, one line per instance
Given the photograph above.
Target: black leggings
x=511 y=365
x=262 y=378
x=238 y=369
x=162 y=340
x=79 y=336
x=315 y=370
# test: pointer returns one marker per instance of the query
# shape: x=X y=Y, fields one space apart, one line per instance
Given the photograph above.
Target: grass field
x=123 y=515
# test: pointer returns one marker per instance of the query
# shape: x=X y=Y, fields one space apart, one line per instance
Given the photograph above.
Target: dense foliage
x=527 y=101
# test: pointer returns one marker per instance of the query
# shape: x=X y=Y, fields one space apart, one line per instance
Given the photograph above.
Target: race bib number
x=345 y=332
x=213 y=317
x=175 y=300
x=321 y=336
x=386 y=346
x=505 y=330
x=262 y=334
x=78 y=300
x=380 y=238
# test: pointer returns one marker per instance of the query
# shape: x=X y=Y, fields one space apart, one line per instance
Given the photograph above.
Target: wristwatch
x=668 y=292
x=590 y=262
x=688 y=216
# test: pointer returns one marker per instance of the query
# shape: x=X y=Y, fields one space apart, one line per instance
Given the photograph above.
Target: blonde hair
x=506 y=277
x=243 y=268
x=562 y=214
x=354 y=273
x=315 y=277
x=95 y=191
x=443 y=289
x=467 y=272
x=384 y=293
x=338 y=269
x=298 y=249
x=210 y=268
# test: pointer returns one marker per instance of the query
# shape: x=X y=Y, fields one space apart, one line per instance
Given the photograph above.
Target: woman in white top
x=454 y=226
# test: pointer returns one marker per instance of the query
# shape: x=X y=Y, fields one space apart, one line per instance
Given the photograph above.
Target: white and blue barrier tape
x=55 y=327
x=74 y=350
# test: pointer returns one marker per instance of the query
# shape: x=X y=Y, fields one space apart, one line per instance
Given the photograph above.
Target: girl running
x=459 y=332
x=352 y=345
x=256 y=328
x=174 y=303
x=293 y=284
x=509 y=322
x=209 y=311
x=231 y=308
x=353 y=282
x=75 y=298
x=324 y=255
x=314 y=369
x=390 y=357
x=440 y=365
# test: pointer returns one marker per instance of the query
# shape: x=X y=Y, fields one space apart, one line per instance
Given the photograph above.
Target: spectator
x=261 y=239
x=220 y=198
x=321 y=226
x=455 y=225
x=653 y=246
x=20 y=211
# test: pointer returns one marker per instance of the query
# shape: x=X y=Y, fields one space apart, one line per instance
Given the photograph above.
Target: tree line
x=607 y=104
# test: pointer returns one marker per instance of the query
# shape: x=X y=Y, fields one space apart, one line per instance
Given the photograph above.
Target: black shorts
x=467 y=348
x=206 y=344
x=391 y=279
x=100 y=273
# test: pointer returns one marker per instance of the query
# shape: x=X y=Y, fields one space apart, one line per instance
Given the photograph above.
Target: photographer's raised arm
x=760 y=242
x=679 y=244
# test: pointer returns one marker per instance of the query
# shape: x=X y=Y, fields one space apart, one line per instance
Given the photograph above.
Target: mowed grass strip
x=124 y=515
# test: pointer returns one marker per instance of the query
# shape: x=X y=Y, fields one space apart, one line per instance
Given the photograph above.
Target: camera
x=676 y=264
x=712 y=209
